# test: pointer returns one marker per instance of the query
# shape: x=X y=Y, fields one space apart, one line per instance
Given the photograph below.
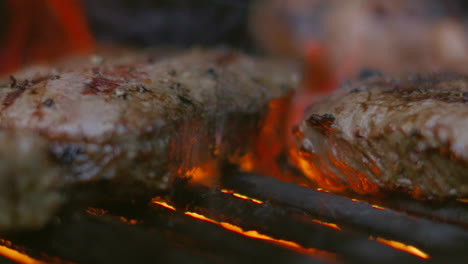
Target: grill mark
x=322 y=123
x=12 y=96
x=18 y=90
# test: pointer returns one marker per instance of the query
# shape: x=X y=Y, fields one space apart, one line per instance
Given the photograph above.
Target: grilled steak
x=405 y=133
x=142 y=122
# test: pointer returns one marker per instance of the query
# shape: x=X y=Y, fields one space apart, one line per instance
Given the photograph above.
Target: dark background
x=171 y=22
x=183 y=23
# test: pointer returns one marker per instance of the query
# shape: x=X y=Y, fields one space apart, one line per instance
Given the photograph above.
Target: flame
x=331 y=225
x=42 y=30
x=317 y=169
x=313 y=171
x=463 y=200
x=205 y=174
x=246 y=163
x=403 y=247
x=270 y=142
x=18 y=256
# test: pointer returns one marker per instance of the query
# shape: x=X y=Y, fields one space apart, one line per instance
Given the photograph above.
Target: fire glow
x=204 y=174
x=59 y=29
x=164 y=204
x=255 y=234
x=391 y=243
x=241 y=196
x=250 y=233
x=290 y=244
x=18 y=256
x=378 y=207
x=330 y=225
x=403 y=247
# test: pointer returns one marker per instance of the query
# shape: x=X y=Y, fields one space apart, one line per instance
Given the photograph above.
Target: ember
x=17 y=256
x=245 y=197
x=398 y=245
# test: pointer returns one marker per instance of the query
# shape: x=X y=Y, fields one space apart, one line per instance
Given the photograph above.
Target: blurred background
x=184 y=23
x=418 y=34
x=42 y=30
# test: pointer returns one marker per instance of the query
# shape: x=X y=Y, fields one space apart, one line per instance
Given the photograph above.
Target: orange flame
x=316 y=168
x=271 y=140
x=205 y=174
x=18 y=256
x=43 y=30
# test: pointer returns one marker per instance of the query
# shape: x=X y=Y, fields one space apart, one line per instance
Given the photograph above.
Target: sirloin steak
x=147 y=122
x=406 y=133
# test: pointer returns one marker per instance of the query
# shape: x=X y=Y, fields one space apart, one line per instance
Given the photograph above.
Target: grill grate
x=290 y=217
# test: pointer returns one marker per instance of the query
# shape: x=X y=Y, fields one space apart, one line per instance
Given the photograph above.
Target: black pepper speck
x=185 y=100
x=369 y=73
x=141 y=89
x=49 y=102
x=175 y=85
x=465 y=96
x=13 y=81
x=211 y=73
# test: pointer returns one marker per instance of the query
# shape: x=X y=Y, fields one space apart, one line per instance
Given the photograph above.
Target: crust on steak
x=405 y=133
x=145 y=121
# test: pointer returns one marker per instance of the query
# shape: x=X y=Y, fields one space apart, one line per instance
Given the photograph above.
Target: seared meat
x=145 y=122
x=406 y=133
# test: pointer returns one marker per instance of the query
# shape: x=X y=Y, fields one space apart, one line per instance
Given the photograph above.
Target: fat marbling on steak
x=406 y=133
x=147 y=121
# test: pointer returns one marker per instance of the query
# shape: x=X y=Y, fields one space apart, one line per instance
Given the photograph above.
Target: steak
x=406 y=133
x=143 y=122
